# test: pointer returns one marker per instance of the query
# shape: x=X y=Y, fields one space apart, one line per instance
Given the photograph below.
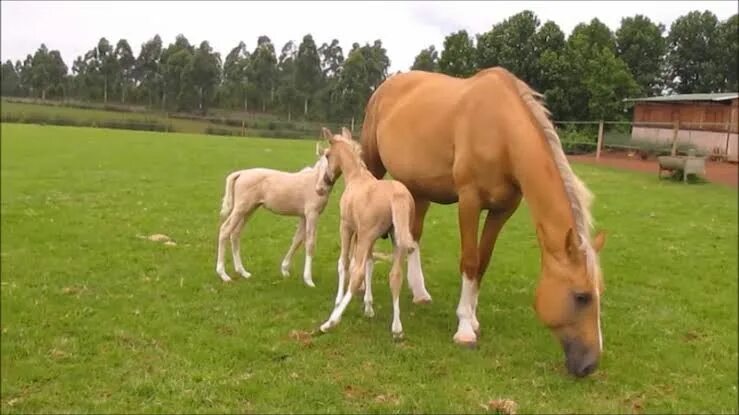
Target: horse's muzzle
x=579 y=359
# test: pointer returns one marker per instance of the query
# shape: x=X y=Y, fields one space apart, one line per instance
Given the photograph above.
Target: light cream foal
x=283 y=193
x=370 y=208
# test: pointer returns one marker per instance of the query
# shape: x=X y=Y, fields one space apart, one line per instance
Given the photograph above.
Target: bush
x=42 y=119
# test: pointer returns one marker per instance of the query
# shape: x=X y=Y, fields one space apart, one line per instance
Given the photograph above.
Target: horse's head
x=568 y=296
x=329 y=168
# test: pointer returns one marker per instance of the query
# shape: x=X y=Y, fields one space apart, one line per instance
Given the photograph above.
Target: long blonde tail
x=228 y=197
x=403 y=210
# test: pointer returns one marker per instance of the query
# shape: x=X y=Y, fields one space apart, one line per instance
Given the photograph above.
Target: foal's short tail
x=228 y=197
x=402 y=208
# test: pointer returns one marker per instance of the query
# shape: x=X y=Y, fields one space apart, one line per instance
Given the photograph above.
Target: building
x=709 y=122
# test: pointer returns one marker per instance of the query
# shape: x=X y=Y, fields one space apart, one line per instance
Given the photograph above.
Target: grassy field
x=95 y=319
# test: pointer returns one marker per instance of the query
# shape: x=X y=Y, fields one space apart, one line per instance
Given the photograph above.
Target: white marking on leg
x=415 y=277
x=307 y=273
x=465 y=331
x=220 y=260
x=236 y=248
x=397 y=327
x=335 y=317
x=342 y=281
x=297 y=241
x=475 y=323
x=368 y=310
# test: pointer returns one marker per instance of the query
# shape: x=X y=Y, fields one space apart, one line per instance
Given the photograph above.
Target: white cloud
x=404 y=27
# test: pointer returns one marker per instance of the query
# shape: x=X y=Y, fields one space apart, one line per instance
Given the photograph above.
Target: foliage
x=695 y=53
x=427 y=60
x=641 y=45
x=458 y=57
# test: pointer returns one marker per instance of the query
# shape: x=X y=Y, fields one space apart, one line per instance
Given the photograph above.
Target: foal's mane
x=355 y=147
x=577 y=193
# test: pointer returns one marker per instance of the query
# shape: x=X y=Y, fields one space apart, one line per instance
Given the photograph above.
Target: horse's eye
x=582 y=299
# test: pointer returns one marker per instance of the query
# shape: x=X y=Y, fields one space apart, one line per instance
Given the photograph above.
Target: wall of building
x=704 y=116
x=704 y=141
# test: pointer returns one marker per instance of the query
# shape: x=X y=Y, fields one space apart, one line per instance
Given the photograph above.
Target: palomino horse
x=485 y=142
x=369 y=209
x=283 y=193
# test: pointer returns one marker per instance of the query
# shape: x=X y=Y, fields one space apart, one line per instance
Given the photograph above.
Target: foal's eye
x=582 y=299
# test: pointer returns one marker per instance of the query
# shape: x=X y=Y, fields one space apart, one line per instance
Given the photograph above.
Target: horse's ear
x=572 y=245
x=346 y=133
x=318 y=148
x=599 y=241
x=326 y=133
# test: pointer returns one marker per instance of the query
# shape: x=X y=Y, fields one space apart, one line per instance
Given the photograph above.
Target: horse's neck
x=543 y=188
x=351 y=168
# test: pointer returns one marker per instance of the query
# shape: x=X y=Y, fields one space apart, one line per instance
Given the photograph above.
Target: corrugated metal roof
x=723 y=96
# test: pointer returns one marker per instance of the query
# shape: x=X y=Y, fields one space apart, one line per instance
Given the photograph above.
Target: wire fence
x=718 y=141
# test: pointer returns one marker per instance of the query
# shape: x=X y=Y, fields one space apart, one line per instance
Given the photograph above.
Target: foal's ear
x=599 y=240
x=327 y=134
x=346 y=133
x=318 y=148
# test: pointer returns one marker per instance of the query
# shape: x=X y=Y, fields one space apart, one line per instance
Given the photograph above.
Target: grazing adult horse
x=485 y=142
x=283 y=193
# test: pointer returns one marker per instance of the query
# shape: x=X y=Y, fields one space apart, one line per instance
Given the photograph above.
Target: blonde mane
x=355 y=147
x=578 y=194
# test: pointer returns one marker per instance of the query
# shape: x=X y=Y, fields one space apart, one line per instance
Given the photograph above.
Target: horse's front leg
x=494 y=222
x=311 y=220
x=297 y=241
x=347 y=236
x=368 y=268
x=362 y=251
x=469 y=216
x=415 y=272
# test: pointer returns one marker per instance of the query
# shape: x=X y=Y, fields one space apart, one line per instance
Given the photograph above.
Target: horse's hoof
x=310 y=283
x=285 y=273
x=398 y=336
x=422 y=300
x=225 y=278
x=245 y=274
x=325 y=327
x=466 y=341
x=368 y=312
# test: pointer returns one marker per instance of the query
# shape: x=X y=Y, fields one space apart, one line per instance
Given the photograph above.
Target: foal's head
x=330 y=167
x=568 y=297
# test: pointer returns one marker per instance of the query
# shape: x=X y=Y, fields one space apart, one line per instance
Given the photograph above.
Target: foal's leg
x=223 y=234
x=469 y=217
x=361 y=252
x=493 y=224
x=347 y=236
x=396 y=282
x=368 y=268
x=297 y=241
x=311 y=220
x=236 y=246
x=415 y=273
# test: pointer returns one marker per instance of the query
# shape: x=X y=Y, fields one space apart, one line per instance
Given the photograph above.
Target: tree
x=236 y=76
x=47 y=70
x=264 y=70
x=377 y=62
x=355 y=84
x=287 y=92
x=308 y=70
x=694 y=54
x=126 y=62
x=107 y=64
x=332 y=59
x=10 y=80
x=174 y=65
x=427 y=60
x=641 y=45
x=458 y=57
x=202 y=73
x=147 y=68
x=549 y=44
x=510 y=44
x=729 y=38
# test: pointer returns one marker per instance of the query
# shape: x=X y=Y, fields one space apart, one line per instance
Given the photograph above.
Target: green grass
x=96 y=320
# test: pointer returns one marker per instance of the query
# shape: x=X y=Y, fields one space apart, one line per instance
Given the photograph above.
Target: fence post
x=675 y=129
x=352 y=124
x=600 y=140
x=243 y=134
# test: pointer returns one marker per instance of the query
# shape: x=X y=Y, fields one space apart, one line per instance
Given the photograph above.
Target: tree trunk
x=43 y=94
x=305 y=107
x=123 y=93
x=264 y=105
x=105 y=89
x=289 y=114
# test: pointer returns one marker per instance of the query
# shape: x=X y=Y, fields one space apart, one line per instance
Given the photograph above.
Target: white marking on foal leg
x=220 y=261
x=415 y=278
x=335 y=317
x=310 y=242
x=465 y=332
x=297 y=241
x=342 y=281
x=475 y=323
x=368 y=268
x=236 y=248
x=396 y=283
x=307 y=274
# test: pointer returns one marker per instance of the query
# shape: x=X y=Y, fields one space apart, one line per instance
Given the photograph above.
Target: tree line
x=584 y=76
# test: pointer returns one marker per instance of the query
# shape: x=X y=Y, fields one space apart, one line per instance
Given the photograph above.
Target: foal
x=370 y=209
x=283 y=193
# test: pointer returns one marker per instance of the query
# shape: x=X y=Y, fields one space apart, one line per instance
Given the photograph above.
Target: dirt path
x=724 y=173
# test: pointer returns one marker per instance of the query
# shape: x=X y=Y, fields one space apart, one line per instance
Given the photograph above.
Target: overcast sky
x=404 y=27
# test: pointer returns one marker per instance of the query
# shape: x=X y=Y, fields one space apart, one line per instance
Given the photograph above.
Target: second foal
x=370 y=208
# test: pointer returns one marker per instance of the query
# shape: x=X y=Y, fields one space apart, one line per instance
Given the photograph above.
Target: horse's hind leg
x=347 y=236
x=223 y=235
x=396 y=283
x=415 y=273
x=243 y=216
x=311 y=220
x=297 y=241
x=361 y=252
x=368 y=268
x=469 y=218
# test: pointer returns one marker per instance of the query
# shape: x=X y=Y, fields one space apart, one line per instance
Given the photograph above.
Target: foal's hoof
x=224 y=277
x=310 y=283
x=398 y=336
x=244 y=273
x=325 y=327
x=466 y=341
x=369 y=312
x=422 y=300
x=285 y=272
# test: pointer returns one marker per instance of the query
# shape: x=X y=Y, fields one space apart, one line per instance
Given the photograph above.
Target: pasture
x=96 y=319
